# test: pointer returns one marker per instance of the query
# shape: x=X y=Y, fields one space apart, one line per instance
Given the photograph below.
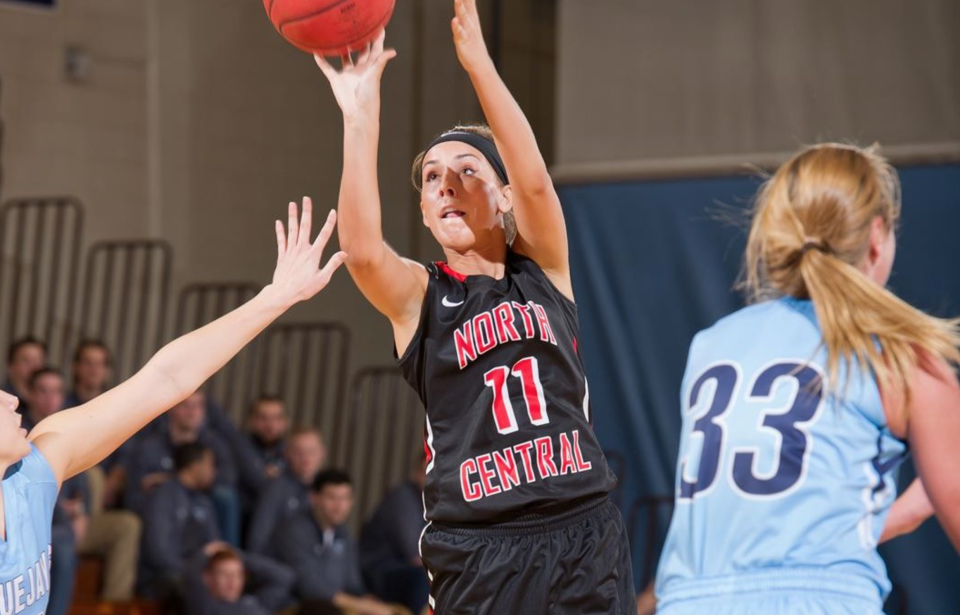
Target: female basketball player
x=33 y=466
x=516 y=481
x=798 y=408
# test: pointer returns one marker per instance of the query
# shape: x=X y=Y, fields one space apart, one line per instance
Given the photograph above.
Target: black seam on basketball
x=314 y=14
x=348 y=43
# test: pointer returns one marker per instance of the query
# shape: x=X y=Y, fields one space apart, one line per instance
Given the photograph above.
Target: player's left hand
x=467 y=35
x=298 y=275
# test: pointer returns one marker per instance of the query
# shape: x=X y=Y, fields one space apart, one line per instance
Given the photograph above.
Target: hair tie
x=812 y=244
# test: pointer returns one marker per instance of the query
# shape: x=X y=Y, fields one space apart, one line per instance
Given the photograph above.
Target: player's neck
x=476 y=262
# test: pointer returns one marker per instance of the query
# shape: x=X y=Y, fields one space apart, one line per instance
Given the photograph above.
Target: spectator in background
x=92 y=370
x=24 y=356
x=262 y=455
x=152 y=463
x=288 y=495
x=322 y=552
x=390 y=544
x=44 y=392
x=220 y=590
x=113 y=535
x=180 y=526
x=181 y=533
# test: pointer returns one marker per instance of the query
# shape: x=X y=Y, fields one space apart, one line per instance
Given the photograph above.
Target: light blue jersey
x=780 y=485
x=29 y=497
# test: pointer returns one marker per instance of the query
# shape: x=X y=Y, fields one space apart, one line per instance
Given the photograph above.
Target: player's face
x=332 y=505
x=225 y=581
x=92 y=368
x=28 y=359
x=46 y=395
x=305 y=456
x=462 y=200
x=13 y=438
x=269 y=421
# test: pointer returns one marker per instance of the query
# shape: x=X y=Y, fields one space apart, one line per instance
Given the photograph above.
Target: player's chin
x=455 y=239
x=16 y=449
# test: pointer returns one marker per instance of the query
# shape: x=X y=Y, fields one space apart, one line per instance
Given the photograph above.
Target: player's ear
x=506 y=199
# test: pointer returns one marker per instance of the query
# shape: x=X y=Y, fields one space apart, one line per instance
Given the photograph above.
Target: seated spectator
x=24 y=356
x=180 y=533
x=265 y=438
x=92 y=370
x=390 y=544
x=322 y=552
x=44 y=392
x=288 y=495
x=112 y=535
x=220 y=590
x=151 y=464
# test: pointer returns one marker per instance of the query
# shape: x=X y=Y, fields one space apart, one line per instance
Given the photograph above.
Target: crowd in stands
x=204 y=516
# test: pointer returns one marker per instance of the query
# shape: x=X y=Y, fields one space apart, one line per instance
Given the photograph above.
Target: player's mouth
x=448 y=213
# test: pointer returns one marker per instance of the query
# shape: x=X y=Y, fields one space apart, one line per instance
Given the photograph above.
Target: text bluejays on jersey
x=26 y=589
x=489 y=329
x=538 y=459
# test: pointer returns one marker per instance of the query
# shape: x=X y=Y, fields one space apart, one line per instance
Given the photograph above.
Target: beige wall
x=84 y=139
x=644 y=81
x=198 y=123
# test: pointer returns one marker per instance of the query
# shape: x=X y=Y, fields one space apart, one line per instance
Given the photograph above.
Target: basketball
x=329 y=27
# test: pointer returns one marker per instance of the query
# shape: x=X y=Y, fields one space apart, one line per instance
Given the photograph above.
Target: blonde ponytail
x=810 y=230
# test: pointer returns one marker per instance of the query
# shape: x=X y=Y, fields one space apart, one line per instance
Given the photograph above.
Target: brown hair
x=226 y=554
x=810 y=229
x=416 y=172
x=305 y=430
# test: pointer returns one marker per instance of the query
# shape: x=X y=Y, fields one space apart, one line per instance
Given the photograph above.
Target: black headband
x=483 y=144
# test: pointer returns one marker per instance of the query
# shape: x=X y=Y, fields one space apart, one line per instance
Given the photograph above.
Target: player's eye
x=468 y=171
x=431 y=176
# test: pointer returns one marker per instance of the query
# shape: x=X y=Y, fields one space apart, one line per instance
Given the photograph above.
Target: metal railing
x=384 y=437
x=39 y=264
x=235 y=385
x=125 y=297
x=306 y=365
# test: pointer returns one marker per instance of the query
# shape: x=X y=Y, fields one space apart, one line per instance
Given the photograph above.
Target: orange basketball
x=329 y=27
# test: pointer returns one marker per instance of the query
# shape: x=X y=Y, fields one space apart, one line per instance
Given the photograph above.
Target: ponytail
x=811 y=227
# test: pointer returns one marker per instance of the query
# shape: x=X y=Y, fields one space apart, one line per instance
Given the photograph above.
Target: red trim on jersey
x=426 y=450
x=575 y=345
x=442 y=266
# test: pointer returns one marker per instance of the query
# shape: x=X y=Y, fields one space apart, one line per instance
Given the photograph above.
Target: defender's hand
x=298 y=275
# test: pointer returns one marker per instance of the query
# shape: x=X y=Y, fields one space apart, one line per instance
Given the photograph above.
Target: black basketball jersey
x=508 y=423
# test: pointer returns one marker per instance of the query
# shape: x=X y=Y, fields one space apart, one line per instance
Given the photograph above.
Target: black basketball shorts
x=572 y=562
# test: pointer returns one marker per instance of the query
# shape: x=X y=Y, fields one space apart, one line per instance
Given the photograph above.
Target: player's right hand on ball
x=356 y=85
x=298 y=275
